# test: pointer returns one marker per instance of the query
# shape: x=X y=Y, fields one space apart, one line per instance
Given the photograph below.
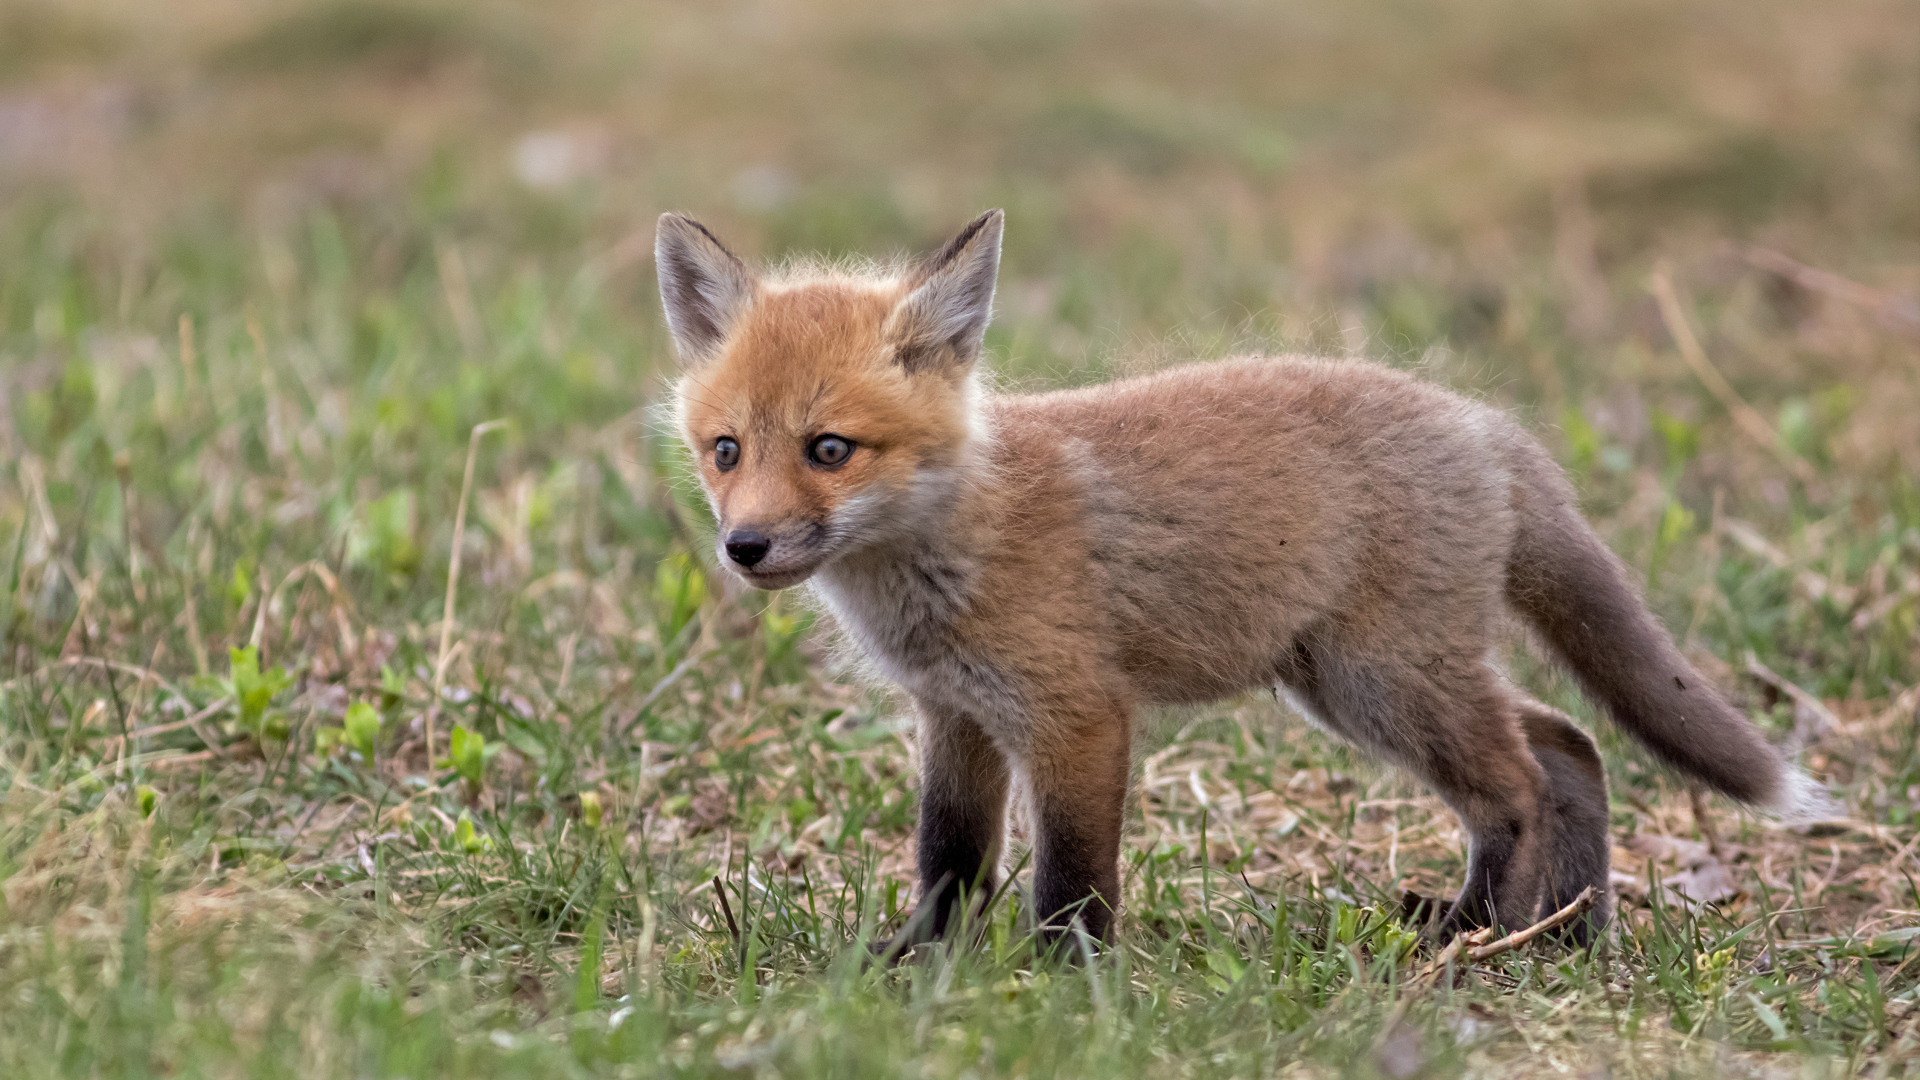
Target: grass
x=263 y=272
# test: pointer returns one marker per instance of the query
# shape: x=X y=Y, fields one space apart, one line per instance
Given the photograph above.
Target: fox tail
x=1575 y=592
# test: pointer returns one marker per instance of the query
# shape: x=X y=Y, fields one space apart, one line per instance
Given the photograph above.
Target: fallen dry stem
x=1891 y=306
x=1475 y=947
x=145 y=674
x=1449 y=954
x=192 y=721
x=1744 y=415
x=453 y=579
x=1579 y=906
x=1823 y=718
x=659 y=688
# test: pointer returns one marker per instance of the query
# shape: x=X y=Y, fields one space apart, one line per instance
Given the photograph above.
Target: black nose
x=747 y=548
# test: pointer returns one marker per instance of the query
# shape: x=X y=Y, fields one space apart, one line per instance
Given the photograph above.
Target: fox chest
x=904 y=623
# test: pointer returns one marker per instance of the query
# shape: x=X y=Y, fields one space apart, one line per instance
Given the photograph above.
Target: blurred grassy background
x=1478 y=187
x=263 y=266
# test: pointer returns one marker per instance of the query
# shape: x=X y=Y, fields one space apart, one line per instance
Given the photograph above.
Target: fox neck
x=920 y=575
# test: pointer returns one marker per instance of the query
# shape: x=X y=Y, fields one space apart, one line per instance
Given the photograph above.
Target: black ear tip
x=686 y=230
x=990 y=225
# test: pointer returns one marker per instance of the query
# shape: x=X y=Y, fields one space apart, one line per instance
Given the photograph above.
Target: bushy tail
x=1573 y=590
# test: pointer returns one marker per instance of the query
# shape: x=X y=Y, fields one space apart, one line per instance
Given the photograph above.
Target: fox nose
x=747 y=548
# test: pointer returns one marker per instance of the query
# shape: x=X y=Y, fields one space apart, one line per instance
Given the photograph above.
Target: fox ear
x=944 y=317
x=703 y=287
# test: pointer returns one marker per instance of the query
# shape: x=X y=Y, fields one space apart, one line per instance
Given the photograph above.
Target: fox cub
x=1032 y=568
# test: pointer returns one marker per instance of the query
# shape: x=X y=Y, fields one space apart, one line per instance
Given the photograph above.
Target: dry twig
x=1579 y=906
x=1811 y=718
x=1744 y=415
x=1475 y=946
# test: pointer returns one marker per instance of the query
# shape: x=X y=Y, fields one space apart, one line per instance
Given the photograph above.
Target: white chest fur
x=900 y=609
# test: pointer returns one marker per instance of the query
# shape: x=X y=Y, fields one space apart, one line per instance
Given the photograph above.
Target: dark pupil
x=726 y=453
x=830 y=451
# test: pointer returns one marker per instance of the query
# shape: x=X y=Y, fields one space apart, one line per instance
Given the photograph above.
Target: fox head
x=829 y=412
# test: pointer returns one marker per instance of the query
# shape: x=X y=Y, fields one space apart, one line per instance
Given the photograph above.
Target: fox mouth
x=780 y=561
x=774 y=579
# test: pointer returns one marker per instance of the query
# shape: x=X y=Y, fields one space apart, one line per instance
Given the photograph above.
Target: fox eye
x=726 y=454
x=830 y=450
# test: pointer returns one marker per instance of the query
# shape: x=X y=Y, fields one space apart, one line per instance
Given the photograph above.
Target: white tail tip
x=1802 y=800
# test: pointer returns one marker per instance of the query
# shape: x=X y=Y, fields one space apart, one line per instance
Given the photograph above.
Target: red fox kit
x=1032 y=568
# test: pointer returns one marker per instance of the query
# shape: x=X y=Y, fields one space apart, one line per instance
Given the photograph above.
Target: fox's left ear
x=942 y=320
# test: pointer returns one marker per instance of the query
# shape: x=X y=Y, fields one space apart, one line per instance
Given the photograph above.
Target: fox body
x=1031 y=569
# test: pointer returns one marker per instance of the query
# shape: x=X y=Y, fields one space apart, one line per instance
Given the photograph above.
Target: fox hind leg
x=1497 y=794
x=1575 y=804
x=1455 y=728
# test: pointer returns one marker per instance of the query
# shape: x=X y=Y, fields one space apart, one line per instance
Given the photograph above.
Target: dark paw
x=1070 y=945
x=915 y=934
x=1423 y=912
x=894 y=950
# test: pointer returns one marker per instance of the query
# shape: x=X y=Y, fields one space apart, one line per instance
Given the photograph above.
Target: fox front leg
x=1077 y=778
x=963 y=801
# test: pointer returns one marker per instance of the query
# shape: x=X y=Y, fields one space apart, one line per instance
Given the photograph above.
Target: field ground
x=264 y=267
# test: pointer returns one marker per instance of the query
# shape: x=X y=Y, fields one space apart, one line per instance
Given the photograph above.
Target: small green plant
x=1680 y=439
x=359 y=730
x=363 y=727
x=393 y=687
x=467 y=839
x=1583 y=442
x=253 y=691
x=381 y=536
x=1712 y=970
x=1676 y=524
x=782 y=632
x=681 y=588
x=467 y=755
x=1374 y=932
x=240 y=585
